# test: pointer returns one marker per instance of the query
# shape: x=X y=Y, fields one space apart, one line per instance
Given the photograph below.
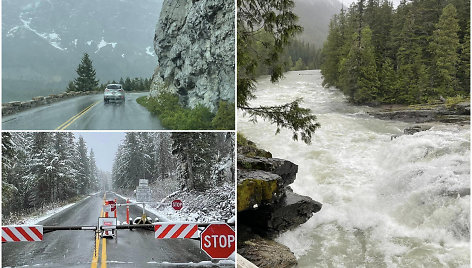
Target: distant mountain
x=44 y=40
x=314 y=16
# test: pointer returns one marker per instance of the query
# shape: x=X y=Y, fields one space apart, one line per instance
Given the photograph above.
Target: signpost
x=143 y=194
x=143 y=183
x=177 y=204
x=218 y=241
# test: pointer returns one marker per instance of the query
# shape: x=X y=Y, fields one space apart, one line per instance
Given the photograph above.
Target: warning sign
x=143 y=194
x=107 y=223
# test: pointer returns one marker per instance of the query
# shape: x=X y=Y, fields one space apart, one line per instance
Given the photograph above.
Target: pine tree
x=71 y=87
x=83 y=169
x=93 y=171
x=444 y=47
x=276 y=21
x=86 y=75
x=464 y=65
x=368 y=84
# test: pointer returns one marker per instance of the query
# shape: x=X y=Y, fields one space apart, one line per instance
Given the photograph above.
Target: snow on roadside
x=37 y=219
x=213 y=205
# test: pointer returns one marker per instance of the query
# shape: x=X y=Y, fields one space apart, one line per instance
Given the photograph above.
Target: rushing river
x=386 y=203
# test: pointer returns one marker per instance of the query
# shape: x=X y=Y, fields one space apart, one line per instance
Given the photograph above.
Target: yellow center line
x=104 y=253
x=97 y=244
x=104 y=241
x=75 y=117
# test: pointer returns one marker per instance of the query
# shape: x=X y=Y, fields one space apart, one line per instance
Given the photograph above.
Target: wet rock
x=194 y=44
x=291 y=211
x=285 y=169
x=413 y=116
x=462 y=108
x=267 y=253
x=414 y=129
x=458 y=192
x=458 y=113
x=249 y=148
x=267 y=206
x=256 y=188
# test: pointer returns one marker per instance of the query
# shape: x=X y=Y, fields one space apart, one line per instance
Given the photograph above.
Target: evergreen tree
x=464 y=65
x=421 y=51
x=71 y=87
x=94 y=183
x=444 y=47
x=275 y=19
x=86 y=75
x=83 y=170
x=128 y=85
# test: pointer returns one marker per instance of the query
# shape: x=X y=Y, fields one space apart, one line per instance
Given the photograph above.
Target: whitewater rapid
x=386 y=203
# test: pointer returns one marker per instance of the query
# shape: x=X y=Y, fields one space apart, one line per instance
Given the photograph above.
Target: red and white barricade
x=17 y=233
x=176 y=230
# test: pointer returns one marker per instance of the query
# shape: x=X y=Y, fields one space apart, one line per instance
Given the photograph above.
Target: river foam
x=386 y=203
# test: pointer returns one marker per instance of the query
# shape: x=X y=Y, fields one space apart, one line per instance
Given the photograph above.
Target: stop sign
x=177 y=204
x=218 y=241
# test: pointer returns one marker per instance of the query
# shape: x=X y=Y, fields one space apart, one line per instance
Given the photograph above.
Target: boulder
x=285 y=169
x=256 y=188
x=414 y=129
x=267 y=253
x=291 y=211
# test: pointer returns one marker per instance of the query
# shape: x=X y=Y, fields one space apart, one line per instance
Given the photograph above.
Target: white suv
x=114 y=92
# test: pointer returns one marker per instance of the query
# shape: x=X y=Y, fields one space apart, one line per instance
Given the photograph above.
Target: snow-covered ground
x=216 y=204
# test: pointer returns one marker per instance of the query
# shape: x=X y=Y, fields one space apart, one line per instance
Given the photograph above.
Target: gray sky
x=104 y=145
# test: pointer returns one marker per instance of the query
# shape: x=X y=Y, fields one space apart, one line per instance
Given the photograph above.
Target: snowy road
x=137 y=248
x=85 y=113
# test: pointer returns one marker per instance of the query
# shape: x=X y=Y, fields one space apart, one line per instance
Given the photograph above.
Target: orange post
x=116 y=207
x=127 y=211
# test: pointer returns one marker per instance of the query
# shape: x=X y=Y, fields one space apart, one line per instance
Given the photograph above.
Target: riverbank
x=267 y=206
x=458 y=113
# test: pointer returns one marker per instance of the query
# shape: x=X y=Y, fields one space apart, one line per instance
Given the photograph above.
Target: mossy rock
x=249 y=148
x=256 y=188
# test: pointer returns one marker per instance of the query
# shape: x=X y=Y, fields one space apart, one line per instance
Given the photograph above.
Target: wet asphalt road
x=85 y=113
x=136 y=248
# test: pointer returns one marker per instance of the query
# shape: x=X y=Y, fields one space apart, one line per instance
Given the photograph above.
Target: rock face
x=267 y=253
x=458 y=113
x=267 y=206
x=194 y=43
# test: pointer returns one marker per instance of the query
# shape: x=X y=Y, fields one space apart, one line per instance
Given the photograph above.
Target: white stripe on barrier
x=176 y=230
x=32 y=234
x=19 y=233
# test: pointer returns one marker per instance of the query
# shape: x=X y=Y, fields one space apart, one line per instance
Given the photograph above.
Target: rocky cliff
x=194 y=43
x=267 y=205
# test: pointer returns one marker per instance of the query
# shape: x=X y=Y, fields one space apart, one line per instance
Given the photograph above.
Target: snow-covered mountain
x=44 y=40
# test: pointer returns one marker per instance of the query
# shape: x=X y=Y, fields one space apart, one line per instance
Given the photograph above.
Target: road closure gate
x=162 y=230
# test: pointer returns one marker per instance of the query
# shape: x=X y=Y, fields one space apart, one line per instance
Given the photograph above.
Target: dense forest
x=416 y=53
x=42 y=168
x=297 y=55
x=179 y=160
